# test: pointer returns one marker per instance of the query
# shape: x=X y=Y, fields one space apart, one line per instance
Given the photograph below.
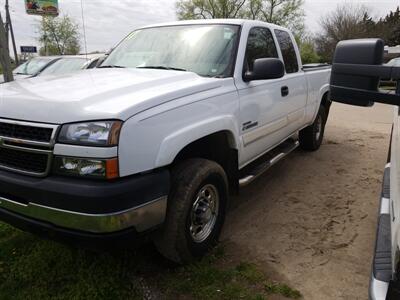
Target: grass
x=209 y=280
x=34 y=269
x=31 y=268
x=282 y=289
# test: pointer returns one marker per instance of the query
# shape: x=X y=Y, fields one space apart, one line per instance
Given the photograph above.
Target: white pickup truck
x=179 y=116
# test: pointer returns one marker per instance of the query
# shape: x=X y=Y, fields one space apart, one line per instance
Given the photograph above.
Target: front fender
x=150 y=141
x=175 y=142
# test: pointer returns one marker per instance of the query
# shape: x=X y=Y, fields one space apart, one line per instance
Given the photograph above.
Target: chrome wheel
x=319 y=128
x=204 y=213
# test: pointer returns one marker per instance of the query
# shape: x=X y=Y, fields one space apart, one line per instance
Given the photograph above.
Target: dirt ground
x=311 y=219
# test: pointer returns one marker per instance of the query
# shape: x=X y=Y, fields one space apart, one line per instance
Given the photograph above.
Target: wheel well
x=326 y=101
x=218 y=147
x=396 y=263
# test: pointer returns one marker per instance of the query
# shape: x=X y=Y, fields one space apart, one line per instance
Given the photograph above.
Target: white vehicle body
x=387 y=250
x=143 y=97
x=357 y=74
x=164 y=111
x=391 y=203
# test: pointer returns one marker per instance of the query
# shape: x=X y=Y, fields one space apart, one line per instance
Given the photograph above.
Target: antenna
x=84 y=29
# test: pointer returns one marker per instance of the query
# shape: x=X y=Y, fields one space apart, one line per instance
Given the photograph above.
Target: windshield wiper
x=19 y=73
x=162 y=68
x=111 y=66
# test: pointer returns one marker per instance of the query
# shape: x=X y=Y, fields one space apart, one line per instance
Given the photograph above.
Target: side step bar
x=382 y=263
x=267 y=161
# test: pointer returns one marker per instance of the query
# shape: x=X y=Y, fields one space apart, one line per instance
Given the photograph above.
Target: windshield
x=64 y=65
x=207 y=50
x=394 y=62
x=32 y=66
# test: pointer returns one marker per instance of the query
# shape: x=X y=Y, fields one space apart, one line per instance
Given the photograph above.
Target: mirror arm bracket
x=367 y=70
x=343 y=93
x=248 y=76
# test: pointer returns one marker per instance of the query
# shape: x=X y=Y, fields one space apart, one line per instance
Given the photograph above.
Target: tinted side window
x=260 y=44
x=288 y=52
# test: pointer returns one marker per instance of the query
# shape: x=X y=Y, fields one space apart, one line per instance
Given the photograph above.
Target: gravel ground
x=310 y=221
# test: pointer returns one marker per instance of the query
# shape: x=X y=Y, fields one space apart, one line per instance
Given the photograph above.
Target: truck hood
x=96 y=94
x=16 y=77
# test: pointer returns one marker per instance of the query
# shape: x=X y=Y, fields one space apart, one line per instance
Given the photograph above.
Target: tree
x=346 y=22
x=59 y=36
x=349 y=22
x=205 y=9
x=288 y=13
x=390 y=27
x=308 y=52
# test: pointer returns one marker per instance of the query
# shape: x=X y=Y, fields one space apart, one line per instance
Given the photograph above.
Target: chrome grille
x=25 y=147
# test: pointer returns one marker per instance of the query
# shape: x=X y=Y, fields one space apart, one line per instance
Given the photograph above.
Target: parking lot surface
x=311 y=219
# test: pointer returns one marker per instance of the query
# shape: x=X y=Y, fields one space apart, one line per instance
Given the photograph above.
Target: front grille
x=25 y=147
x=23 y=161
x=31 y=133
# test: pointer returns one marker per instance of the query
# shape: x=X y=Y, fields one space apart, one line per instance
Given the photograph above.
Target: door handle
x=284 y=91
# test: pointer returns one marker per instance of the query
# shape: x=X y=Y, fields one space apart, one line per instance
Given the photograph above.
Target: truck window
x=93 y=64
x=207 y=50
x=260 y=44
x=288 y=52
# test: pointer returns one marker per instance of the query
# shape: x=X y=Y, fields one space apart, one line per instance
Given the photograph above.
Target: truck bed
x=316 y=66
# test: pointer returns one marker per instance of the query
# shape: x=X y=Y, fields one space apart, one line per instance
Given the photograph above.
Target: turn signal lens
x=112 y=170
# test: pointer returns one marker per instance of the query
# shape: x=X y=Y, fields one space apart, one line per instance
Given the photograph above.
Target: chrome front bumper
x=142 y=217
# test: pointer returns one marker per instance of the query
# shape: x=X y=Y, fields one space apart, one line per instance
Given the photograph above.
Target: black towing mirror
x=265 y=68
x=356 y=72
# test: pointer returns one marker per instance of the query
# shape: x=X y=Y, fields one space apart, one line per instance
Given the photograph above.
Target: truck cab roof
x=239 y=22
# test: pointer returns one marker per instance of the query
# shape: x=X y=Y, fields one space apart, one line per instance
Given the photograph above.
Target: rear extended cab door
x=270 y=110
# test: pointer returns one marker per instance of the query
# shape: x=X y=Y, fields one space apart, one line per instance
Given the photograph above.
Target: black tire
x=175 y=240
x=309 y=138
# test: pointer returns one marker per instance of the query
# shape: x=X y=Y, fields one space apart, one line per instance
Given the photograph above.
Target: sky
x=108 y=21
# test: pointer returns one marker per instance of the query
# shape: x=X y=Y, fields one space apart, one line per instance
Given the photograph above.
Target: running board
x=270 y=159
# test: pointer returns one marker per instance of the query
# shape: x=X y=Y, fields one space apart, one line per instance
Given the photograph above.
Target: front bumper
x=136 y=203
x=96 y=241
x=382 y=267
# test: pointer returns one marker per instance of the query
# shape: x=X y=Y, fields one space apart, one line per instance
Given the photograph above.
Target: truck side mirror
x=356 y=72
x=265 y=68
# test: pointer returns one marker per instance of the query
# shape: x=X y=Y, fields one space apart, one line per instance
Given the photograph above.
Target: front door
x=266 y=105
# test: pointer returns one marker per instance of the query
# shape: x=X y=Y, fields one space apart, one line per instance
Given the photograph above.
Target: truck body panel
x=97 y=94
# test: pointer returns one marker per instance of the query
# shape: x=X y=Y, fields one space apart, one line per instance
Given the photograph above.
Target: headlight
x=97 y=133
x=86 y=167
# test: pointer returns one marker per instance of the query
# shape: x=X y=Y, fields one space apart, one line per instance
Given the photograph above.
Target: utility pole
x=9 y=28
x=4 y=53
x=46 y=49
